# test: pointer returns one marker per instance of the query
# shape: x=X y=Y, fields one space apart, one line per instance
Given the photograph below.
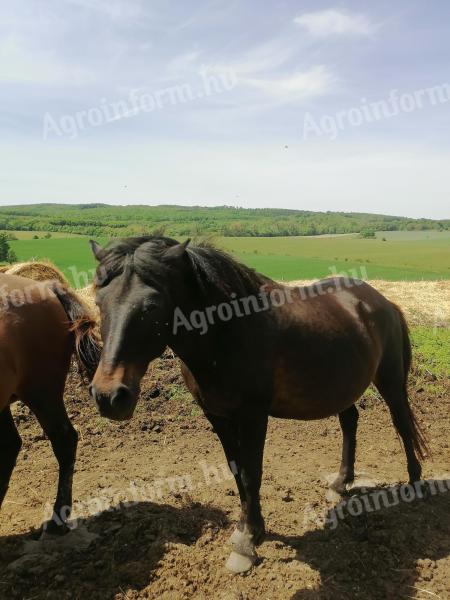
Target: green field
x=29 y=235
x=71 y=254
x=397 y=259
x=412 y=236
x=404 y=256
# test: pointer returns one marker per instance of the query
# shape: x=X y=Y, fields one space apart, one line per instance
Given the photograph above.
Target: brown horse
x=41 y=325
x=250 y=348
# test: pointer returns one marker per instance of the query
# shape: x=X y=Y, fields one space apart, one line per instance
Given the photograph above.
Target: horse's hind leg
x=10 y=444
x=349 y=424
x=396 y=398
x=52 y=416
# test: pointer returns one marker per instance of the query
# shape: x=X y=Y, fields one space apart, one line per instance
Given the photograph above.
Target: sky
x=310 y=105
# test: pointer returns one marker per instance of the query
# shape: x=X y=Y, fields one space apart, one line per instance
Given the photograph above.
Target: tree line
x=103 y=220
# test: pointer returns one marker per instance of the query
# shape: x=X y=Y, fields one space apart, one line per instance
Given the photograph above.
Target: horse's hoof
x=422 y=491
x=50 y=529
x=333 y=496
x=240 y=563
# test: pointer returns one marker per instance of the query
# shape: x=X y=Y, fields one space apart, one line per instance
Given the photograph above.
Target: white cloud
x=316 y=81
x=113 y=9
x=22 y=64
x=184 y=63
x=267 y=69
x=265 y=57
x=334 y=22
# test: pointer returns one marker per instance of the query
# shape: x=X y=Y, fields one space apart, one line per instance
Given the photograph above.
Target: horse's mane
x=216 y=269
x=217 y=273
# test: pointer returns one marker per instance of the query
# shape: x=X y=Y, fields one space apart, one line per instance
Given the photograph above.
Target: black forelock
x=120 y=253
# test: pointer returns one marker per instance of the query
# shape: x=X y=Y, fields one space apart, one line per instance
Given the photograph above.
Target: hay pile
x=87 y=295
x=38 y=271
x=424 y=302
x=4 y=268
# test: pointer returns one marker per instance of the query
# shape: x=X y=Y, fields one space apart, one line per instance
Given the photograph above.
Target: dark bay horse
x=41 y=325
x=250 y=348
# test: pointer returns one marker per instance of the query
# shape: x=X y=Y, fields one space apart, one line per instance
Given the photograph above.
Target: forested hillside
x=110 y=221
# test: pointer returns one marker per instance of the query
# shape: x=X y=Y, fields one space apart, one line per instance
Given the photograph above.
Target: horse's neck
x=219 y=344
x=195 y=349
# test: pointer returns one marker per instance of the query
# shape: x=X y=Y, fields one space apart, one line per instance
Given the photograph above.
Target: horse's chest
x=213 y=394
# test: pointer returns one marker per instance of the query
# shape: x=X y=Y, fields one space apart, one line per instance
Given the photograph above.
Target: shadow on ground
x=386 y=553
x=128 y=545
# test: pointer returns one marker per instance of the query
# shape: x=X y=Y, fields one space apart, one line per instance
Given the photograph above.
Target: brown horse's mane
x=217 y=273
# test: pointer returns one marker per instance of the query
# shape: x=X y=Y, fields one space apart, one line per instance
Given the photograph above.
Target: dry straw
x=38 y=271
x=424 y=302
x=87 y=294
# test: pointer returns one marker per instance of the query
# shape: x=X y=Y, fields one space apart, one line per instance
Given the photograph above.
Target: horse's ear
x=97 y=250
x=175 y=252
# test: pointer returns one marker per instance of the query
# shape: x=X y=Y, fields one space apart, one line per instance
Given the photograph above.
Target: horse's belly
x=318 y=398
x=302 y=408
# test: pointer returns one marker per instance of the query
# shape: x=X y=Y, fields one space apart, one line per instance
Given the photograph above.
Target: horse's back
x=35 y=338
x=342 y=303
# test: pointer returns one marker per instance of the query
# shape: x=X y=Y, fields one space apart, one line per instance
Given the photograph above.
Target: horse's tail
x=84 y=328
x=419 y=439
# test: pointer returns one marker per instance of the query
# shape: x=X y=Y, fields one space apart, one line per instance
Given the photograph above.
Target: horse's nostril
x=91 y=390
x=122 y=396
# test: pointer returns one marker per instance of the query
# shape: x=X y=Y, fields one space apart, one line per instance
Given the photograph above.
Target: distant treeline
x=111 y=221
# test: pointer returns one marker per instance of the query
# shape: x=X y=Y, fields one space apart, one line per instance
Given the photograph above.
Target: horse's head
x=135 y=284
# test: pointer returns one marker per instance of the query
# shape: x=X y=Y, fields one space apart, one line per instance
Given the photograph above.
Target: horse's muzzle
x=117 y=404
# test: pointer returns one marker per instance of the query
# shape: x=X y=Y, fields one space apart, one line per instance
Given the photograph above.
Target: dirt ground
x=154 y=538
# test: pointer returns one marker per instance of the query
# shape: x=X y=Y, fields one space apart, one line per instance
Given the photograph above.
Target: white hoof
x=240 y=563
x=333 y=496
x=79 y=539
x=243 y=555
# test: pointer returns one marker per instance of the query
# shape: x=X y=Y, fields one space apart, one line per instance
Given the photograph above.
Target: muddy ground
x=170 y=541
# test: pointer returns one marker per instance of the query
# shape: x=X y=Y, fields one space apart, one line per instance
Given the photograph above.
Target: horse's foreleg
x=251 y=439
x=226 y=433
x=10 y=444
x=243 y=441
x=63 y=437
x=349 y=425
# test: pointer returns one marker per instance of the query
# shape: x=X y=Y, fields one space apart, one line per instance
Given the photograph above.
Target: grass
x=413 y=235
x=405 y=256
x=71 y=254
x=28 y=235
x=400 y=259
x=431 y=360
x=431 y=348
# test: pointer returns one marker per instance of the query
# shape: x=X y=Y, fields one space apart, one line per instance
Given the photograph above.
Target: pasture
x=404 y=256
x=30 y=235
x=397 y=259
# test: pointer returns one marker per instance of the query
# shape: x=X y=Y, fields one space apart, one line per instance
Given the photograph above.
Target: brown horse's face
x=133 y=328
x=136 y=312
